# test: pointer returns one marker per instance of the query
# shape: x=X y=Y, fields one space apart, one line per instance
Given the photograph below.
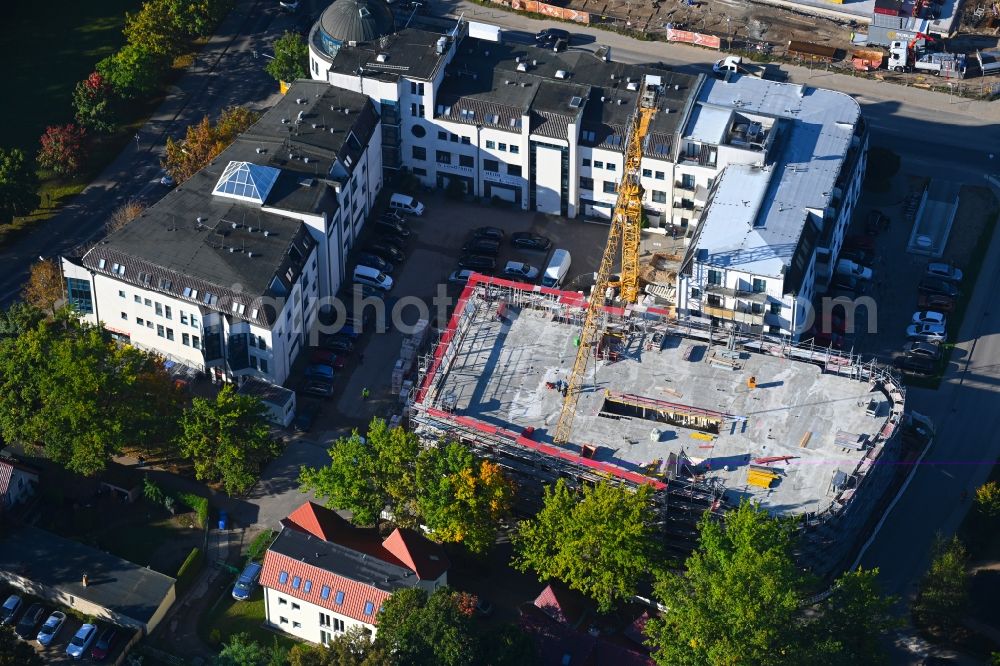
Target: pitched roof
x=403 y=548
x=355 y=597
x=317 y=520
x=558 y=644
x=7 y=467
x=424 y=557
x=561 y=604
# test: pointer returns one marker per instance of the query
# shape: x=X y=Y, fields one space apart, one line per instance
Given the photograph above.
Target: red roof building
x=322 y=575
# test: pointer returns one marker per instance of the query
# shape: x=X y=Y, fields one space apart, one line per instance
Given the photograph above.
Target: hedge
x=259 y=544
x=199 y=505
x=189 y=571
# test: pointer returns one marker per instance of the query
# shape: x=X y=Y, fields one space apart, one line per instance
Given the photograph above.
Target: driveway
x=277 y=493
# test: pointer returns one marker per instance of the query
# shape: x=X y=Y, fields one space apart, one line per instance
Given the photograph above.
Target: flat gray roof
x=113 y=583
x=814 y=128
x=502 y=371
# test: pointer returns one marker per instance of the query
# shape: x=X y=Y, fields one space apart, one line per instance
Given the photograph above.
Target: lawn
x=228 y=617
x=54 y=44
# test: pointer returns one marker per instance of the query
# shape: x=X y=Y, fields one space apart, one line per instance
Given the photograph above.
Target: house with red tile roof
x=322 y=575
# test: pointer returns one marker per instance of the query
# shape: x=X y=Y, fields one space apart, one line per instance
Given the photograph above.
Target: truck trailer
x=989 y=62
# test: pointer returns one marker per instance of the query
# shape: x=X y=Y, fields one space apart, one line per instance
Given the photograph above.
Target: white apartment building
x=225 y=273
x=323 y=576
x=778 y=170
x=542 y=130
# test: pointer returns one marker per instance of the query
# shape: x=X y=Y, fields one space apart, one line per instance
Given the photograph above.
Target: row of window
x=444 y=157
x=513 y=148
x=598 y=164
x=454 y=138
x=306 y=588
x=258 y=363
x=161 y=310
x=658 y=175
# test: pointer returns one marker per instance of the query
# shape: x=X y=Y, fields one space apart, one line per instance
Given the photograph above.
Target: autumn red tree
x=93 y=100
x=62 y=149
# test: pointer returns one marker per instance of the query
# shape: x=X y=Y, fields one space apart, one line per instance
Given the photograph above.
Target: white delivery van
x=372 y=277
x=557 y=269
x=404 y=203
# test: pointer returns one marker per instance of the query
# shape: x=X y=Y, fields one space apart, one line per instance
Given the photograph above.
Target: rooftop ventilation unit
x=315 y=125
x=299 y=100
x=562 y=74
x=259 y=150
x=306 y=160
x=534 y=63
x=381 y=57
x=613 y=77
x=201 y=220
x=284 y=121
x=347 y=111
x=522 y=67
x=517 y=59
x=235 y=225
x=298 y=118
x=250 y=254
x=619 y=102
x=603 y=98
x=633 y=85
x=576 y=102
x=266 y=233
x=441 y=45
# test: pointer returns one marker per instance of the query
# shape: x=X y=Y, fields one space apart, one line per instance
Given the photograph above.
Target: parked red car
x=326 y=357
x=935 y=302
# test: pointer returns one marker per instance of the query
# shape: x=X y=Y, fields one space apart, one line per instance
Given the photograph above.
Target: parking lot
x=432 y=253
x=896 y=272
x=55 y=652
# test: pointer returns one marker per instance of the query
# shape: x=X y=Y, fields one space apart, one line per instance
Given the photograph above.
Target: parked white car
x=944 y=271
x=929 y=317
x=81 y=641
x=848 y=267
x=927 y=332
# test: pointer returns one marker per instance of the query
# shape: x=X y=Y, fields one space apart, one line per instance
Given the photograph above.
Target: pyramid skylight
x=246 y=181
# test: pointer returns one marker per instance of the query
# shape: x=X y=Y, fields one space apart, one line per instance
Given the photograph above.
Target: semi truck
x=903 y=57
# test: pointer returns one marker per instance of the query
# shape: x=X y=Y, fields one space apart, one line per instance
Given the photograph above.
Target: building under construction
x=705 y=416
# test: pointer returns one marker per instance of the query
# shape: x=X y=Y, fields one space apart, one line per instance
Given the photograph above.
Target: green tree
x=82 y=398
x=838 y=636
x=291 y=58
x=944 y=590
x=14 y=651
x=741 y=600
x=18 y=185
x=133 y=71
x=241 y=650
x=351 y=648
x=988 y=499
x=227 y=439
x=417 y=629
x=18 y=318
x=507 y=645
x=460 y=498
x=156 y=28
x=737 y=600
x=62 y=149
x=599 y=541
x=93 y=99
x=349 y=482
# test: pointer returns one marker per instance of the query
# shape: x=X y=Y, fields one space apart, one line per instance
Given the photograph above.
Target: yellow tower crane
x=626 y=229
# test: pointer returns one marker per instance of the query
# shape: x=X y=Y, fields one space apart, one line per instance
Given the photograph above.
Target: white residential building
x=225 y=273
x=323 y=576
x=778 y=168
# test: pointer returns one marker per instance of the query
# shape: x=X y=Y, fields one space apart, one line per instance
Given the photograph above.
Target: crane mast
x=626 y=230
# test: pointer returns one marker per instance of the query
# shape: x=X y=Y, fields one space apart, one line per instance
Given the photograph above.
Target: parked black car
x=546 y=38
x=478 y=262
x=375 y=261
x=496 y=233
x=27 y=628
x=936 y=286
x=339 y=343
x=485 y=246
x=393 y=226
x=390 y=238
x=927 y=350
x=386 y=251
x=913 y=365
x=529 y=241
x=305 y=414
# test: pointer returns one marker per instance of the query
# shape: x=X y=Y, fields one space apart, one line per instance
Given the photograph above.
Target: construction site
x=706 y=417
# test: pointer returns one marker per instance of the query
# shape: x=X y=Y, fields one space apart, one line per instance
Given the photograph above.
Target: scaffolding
x=681 y=494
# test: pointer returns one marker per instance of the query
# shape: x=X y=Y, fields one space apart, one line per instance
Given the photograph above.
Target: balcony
x=681 y=185
x=752 y=296
x=733 y=315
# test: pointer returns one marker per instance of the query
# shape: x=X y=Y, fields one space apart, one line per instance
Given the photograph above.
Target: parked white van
x=372 y=277
x=557 y=269
x=404 y=203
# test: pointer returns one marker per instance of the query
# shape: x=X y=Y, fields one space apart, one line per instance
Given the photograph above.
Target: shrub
x=152 y=492
x=198 y=504
x=94 y=103
x=190 y=569
x=260 y=543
